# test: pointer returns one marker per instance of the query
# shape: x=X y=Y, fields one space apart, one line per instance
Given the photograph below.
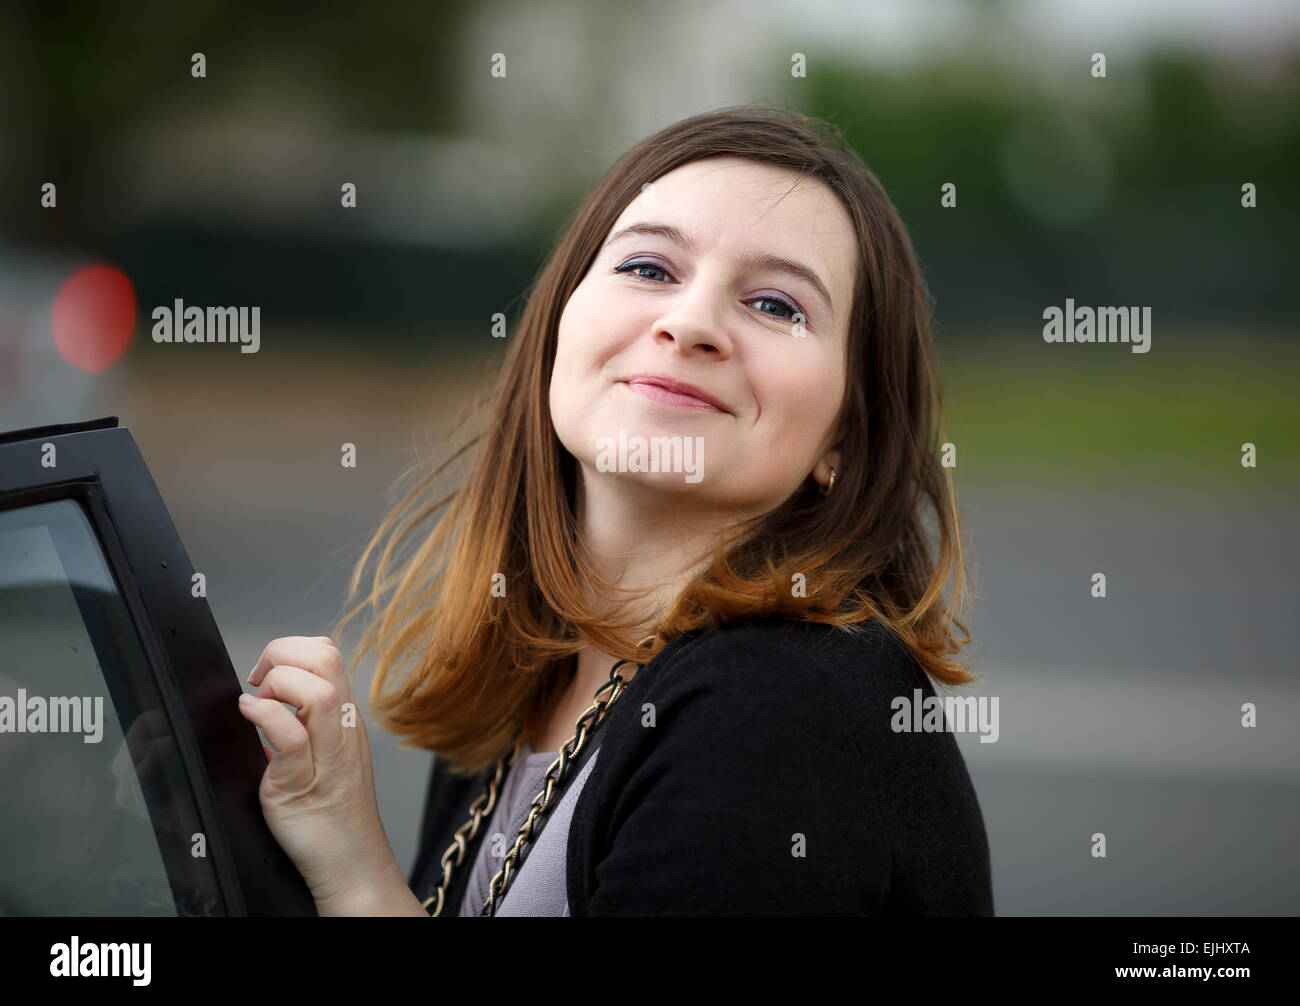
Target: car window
x=97 y=816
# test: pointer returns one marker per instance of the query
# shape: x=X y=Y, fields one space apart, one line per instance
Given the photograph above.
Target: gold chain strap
x=478 y=812
x=481 y=808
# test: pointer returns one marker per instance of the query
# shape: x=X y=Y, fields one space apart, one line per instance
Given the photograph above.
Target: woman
x=660 y=635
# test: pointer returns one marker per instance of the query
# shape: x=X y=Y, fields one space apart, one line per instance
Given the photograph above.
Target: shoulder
x=784 y=670
x=763 y=692
x=752 y=769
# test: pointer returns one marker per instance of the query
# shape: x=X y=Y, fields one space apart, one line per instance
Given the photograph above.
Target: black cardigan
x=750 y=769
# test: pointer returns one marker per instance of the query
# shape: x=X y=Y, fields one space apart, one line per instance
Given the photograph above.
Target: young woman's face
x=709 y=304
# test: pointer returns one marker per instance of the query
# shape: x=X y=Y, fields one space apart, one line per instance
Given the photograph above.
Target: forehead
x=733 y=205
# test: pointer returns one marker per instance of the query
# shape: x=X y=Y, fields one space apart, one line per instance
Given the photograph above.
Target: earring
x=826 y=489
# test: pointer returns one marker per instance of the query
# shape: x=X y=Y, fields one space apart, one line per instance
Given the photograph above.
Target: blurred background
x=1119 y=715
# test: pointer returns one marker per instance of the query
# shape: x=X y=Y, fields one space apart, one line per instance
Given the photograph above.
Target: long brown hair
x=488 y=665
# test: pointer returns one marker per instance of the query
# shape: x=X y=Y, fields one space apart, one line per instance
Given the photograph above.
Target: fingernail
x=246 y=700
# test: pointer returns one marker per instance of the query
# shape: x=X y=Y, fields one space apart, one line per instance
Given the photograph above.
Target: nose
x=696 y=316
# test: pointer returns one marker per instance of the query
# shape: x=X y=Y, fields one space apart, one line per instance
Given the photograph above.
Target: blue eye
x=628 y=267
x=777 y=300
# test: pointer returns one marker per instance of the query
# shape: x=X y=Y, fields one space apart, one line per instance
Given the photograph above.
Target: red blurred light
x=93 y=317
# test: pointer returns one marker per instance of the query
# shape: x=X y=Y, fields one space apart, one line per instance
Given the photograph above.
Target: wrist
x=383 y=892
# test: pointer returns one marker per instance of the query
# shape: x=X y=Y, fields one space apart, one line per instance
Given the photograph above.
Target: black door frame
x=99 y=465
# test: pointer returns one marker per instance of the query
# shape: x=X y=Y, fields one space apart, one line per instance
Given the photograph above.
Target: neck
x=639 y=538
x=636 y=539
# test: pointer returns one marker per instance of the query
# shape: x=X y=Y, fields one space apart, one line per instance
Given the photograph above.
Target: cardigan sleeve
x=747 y=792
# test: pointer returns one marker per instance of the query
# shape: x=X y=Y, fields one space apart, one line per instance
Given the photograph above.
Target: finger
x=291 y=762
x=317 y=702
x=312 y=653
x=315 y=653
x=268 y=752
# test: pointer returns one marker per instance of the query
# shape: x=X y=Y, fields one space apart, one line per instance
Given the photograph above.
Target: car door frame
x=98 y=463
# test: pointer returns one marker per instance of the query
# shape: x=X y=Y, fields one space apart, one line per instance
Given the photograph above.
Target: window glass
x=97 y=816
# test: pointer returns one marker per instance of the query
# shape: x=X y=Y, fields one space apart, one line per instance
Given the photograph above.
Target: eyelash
x=794 y=309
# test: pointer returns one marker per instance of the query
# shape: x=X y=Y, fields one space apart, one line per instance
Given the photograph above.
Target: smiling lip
x=670 y=392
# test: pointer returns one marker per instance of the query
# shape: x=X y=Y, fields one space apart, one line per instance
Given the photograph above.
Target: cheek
x=585 y=330
x=798 y=393
x=582 y=348
x=572 y=344
x=799 y=396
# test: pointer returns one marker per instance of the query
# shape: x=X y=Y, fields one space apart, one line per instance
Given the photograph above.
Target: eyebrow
x=766 y=260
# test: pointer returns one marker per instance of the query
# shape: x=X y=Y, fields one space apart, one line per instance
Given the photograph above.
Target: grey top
x=538 y=888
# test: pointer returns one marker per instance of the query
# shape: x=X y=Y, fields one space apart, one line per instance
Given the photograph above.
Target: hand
x=318 y=792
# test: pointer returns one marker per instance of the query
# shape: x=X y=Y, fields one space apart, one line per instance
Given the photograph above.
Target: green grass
x=1075 y=414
